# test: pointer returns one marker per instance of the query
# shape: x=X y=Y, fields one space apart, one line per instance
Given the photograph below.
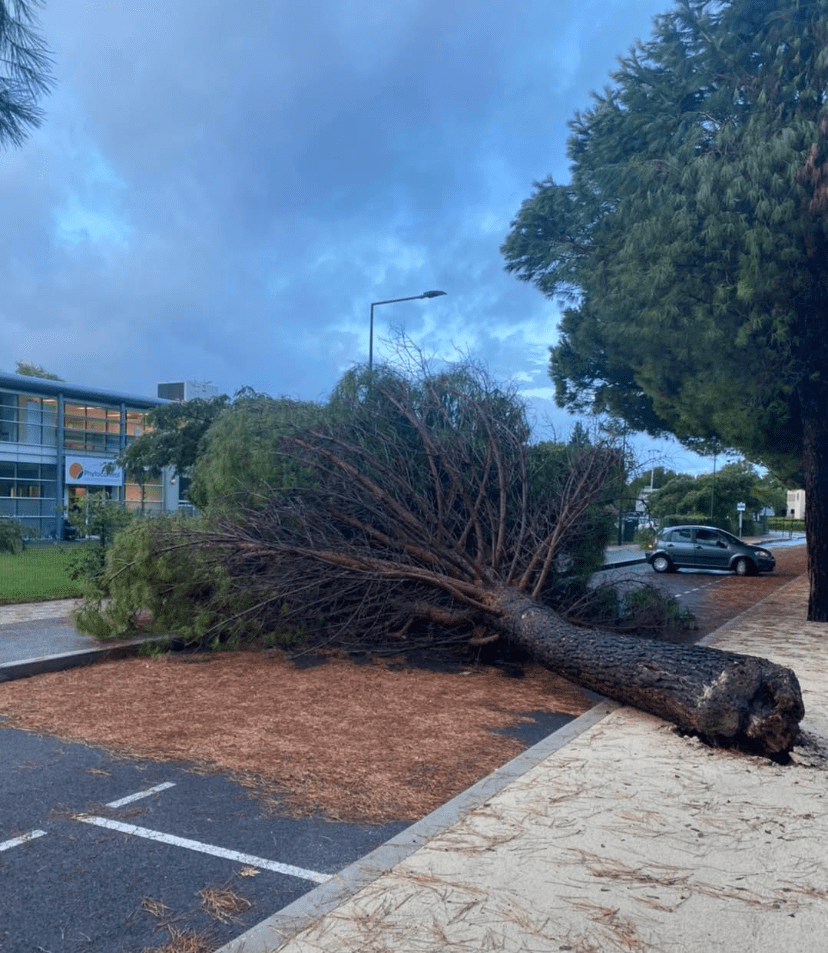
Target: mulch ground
x=733 y=595
x=363 y=743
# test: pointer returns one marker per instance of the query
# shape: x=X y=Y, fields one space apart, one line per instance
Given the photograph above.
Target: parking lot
x=102 y=853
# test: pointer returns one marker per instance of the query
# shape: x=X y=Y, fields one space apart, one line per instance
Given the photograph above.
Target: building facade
x=58 y=442
x=796 y=504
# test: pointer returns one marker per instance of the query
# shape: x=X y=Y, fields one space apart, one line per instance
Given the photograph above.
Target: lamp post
x=425 y=294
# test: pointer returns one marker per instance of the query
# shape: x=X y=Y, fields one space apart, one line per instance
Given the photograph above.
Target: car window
x=707 y=536
x=682 y=535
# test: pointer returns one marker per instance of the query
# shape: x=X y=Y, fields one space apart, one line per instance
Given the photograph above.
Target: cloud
x=220 y=192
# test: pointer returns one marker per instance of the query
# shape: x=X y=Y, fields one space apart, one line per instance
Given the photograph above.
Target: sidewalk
x=40 y=637
x=613 y=834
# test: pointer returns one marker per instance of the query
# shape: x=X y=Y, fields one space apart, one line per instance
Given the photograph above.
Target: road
x=712 y=596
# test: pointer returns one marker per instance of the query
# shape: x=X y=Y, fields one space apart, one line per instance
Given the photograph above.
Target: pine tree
x=690 y=248
x=24 y=70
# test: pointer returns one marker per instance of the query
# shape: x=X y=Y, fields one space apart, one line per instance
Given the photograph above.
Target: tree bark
x=813 y=402
x=725 y=697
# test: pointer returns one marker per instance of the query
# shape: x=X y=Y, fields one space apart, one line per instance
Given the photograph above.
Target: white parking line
x=248 y=859
x=137 y=797
x=23 y=839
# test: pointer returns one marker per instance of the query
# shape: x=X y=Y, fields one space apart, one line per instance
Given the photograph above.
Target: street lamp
x=425 y=294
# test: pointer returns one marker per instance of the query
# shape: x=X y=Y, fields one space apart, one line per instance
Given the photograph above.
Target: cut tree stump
x=725 y=697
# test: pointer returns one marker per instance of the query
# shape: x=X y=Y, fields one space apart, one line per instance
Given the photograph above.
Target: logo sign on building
x=92 y=471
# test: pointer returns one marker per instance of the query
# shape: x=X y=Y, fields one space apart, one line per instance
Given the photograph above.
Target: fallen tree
x=419 y=503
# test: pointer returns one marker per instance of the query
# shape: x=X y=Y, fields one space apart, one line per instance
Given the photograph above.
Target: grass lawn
x=40 y=572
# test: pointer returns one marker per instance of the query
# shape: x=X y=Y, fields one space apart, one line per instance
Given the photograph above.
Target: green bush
x=646 y=537
x=153 y=566
x=98 y=520
x=13 y=536
x=786 y=524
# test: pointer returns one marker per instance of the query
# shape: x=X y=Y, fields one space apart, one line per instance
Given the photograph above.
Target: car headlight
x=764 y=552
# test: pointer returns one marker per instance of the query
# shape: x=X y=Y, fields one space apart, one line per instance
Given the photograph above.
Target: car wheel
x=661 y=564
x=743 y=567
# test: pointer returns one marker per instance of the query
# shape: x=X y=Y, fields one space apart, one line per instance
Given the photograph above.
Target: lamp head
x=432 y=294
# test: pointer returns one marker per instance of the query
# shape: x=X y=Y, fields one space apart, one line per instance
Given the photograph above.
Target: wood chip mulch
x=362 y=743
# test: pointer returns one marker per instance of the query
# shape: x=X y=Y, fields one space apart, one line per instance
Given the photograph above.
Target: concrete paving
x=40 y=637
x=614 y=834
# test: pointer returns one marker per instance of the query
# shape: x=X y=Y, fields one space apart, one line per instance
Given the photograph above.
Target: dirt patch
x=367 y=743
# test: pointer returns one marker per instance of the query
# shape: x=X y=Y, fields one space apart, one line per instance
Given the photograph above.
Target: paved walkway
x=41 y=637
x=614 y=834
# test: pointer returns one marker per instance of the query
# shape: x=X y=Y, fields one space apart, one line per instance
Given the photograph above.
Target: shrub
x=13 y=536
x=99 y=520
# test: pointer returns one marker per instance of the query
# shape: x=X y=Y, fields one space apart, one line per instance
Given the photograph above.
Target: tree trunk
x=813 y=402
x=725 y=697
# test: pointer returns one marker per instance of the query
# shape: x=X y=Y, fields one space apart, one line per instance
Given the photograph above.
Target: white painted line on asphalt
x=248 y=859
x=137 y=797
x=23 y=839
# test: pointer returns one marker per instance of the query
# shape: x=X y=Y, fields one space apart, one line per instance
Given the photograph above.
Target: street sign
x=740 y=507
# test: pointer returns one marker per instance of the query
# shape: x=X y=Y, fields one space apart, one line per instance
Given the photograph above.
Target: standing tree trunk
x=724 y=696
x=813 y=401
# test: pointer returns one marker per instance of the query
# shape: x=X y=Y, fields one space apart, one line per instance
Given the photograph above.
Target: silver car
x=706 y=547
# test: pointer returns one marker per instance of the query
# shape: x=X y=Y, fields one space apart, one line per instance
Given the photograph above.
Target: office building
x=58 y=442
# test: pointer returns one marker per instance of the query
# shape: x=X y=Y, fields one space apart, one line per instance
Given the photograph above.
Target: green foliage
x=786 y=525
x=13 y=536
x=691 y=245
x=34 y=370
x=25 y=63
x=646 y=537
x=692 y=519
x=335 y=522
x=174 y=437
x=97 y=519
x=691 y=498
x=237 y=463
x=652 y=612
x=157 y=566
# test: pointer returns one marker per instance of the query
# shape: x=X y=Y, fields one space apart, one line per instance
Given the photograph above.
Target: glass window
x=136 y=424
x=28 y=430
x=92 y=428
x=8 y=417
x=49 y=437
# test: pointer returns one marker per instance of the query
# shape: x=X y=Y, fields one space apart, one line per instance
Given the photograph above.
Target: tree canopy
x=717 y=495
x=25 y=63
x=34 y=370
x=690 y=248
x=174 y=436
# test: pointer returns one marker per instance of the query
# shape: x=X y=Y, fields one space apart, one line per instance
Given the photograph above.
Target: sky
x=219 y=191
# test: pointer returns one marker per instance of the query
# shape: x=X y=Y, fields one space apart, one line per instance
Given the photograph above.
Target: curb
x=25 y=668
x=292 y=919
x=623 y=562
